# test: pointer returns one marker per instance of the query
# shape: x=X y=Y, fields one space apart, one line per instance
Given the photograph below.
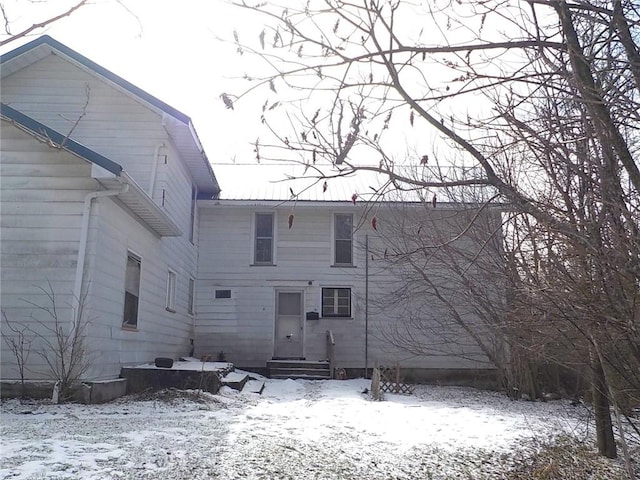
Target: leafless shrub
x=62 y=347
x=19 y=339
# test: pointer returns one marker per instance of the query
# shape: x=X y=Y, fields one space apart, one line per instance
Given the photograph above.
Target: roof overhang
x=141 y=204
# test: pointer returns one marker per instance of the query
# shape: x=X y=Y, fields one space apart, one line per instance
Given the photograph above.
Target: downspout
x=82 y=250
x=154 y=168
x=366 y=308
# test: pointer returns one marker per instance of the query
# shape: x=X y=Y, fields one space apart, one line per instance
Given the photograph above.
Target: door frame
x=278 y=291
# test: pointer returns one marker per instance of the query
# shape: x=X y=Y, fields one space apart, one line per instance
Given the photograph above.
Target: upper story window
x=192 y=223
x=191 y=294
x=171 y=291
x=263 y=254
x=343 y=239
x=131 y=291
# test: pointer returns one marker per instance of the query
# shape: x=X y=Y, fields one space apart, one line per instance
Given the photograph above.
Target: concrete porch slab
x=185 y=374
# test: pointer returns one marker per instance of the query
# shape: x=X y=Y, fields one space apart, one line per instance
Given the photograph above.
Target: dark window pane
x=343 y=239
x=263 y=250
x=264 y=225
x=343 y=252
x=223 y=293
x=130 y=310
x=344 y=227
x=264 y=238
x=289 y=304
x=132 y=291
x=132 y=275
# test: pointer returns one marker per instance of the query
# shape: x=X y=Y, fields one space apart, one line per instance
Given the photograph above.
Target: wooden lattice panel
x=391 y=381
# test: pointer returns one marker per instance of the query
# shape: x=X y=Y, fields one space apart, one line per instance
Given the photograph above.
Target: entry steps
x=299 y=369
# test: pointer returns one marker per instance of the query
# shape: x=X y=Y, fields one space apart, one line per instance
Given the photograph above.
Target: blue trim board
x=47 y=40
x=58 y=139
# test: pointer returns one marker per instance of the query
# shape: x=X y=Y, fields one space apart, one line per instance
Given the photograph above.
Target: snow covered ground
x=294 y=430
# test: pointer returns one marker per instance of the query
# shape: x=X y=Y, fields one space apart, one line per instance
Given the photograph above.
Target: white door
x=289 y=325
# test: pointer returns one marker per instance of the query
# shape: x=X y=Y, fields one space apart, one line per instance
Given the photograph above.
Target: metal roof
x=178 y=124
x=286 y=181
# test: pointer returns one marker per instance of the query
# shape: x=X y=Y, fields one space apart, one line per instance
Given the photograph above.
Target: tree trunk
x=604 y=426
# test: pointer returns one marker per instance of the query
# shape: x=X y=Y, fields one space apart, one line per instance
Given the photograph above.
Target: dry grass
x=567 y=459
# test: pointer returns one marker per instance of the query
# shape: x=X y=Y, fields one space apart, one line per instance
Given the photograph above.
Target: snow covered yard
x=295 y=430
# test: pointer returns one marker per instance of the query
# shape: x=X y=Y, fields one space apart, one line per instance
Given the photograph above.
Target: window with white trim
x=192 y=219
x=191 y=309
x=263 y=253
x=343 y=239
x=171 y=291
x=131 y=291
x=336 y=302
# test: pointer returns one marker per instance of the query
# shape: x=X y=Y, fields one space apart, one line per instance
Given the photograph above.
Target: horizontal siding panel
x=25 y=196
x=30 y=170
x=57 y=222
x=35 y=233
x=50 y=183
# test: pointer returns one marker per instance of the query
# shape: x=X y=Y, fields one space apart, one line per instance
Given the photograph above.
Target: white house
x=110 y=205
x=274 y=276
x=99 y=188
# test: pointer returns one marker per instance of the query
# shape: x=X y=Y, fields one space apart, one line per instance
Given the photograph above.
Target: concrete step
x=320 y=372
x=302 y=369
x=254 y=386
x=299 y=376
x=235 y=380
x=297 y=364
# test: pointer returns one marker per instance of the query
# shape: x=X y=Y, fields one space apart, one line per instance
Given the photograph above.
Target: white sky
x=172 y=51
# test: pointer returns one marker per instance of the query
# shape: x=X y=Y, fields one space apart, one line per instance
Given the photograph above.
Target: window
x=336 y=302
x=343 y=233
x=223 y=293
x=171 y=291
x=191 y=296
x=192 y=224
x=264 y=239
x=131 y=291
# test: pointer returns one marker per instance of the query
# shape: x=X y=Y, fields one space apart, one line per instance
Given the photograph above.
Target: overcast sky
x=181 y=52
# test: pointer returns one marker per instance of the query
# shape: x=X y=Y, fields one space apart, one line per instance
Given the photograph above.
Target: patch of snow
x=296 y=429
x=234 y=377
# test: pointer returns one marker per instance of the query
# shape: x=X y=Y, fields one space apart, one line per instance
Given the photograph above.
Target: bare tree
x=11 y=36
x=15 y=26
x=536 y=101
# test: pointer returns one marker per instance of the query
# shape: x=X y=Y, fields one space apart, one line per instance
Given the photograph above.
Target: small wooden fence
x=389 y=380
